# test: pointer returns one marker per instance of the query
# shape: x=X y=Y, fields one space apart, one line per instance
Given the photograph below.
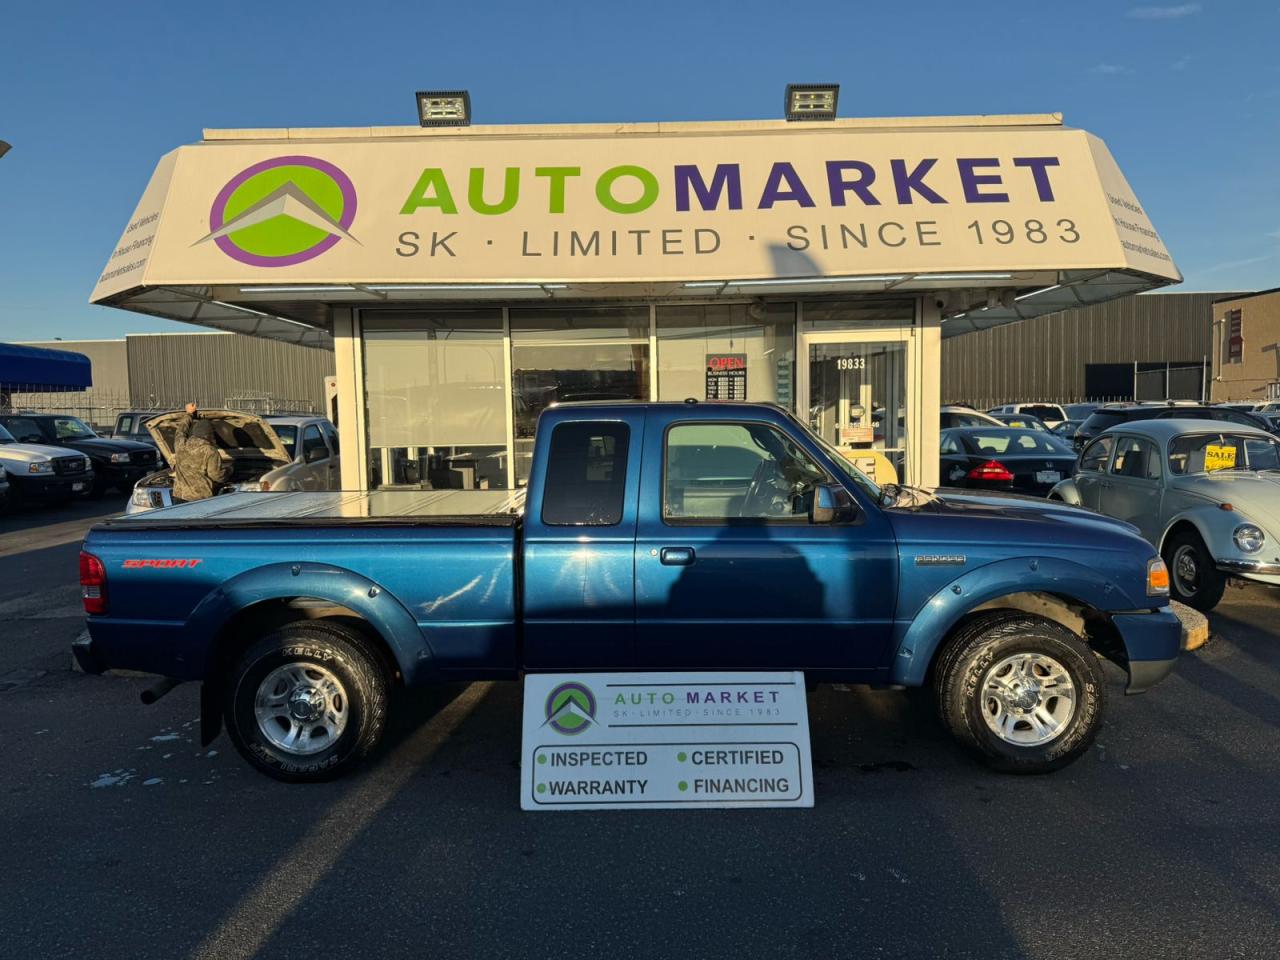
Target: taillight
x=266 y=486
x=93 y=583
x=991 y=470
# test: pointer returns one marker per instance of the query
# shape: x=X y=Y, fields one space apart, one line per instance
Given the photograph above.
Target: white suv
x=40 y=472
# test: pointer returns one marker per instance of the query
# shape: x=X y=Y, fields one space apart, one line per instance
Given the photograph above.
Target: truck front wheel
x=1024 y=693
x=306 y=702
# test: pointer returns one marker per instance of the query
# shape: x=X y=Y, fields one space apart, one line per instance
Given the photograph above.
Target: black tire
x=339 y=660
x=1201 y=585
x=977 y=649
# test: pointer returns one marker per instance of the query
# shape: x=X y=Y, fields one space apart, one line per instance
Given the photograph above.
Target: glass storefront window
x=727 y=351
x=436 y=392
x=576 y=353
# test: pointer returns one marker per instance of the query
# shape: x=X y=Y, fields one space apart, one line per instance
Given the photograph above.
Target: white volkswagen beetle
x=1205 y=493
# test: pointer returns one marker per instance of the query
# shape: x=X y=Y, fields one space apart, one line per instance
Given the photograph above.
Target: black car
x=1002 y=458
x=116 y=463
x=1112 y=414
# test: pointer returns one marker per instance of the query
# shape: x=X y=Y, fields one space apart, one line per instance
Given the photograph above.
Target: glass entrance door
x=857 y=396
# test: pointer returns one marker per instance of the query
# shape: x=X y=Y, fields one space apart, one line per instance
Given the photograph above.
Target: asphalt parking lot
x=124 y=838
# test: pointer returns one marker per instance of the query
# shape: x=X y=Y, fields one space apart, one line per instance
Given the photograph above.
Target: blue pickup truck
x=654 y=536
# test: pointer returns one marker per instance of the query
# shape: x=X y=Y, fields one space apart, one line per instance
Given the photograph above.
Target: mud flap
x=210 y=713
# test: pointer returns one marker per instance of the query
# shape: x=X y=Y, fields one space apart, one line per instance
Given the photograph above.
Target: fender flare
x=280 y=581
x=917 y=641
x=1067 y=491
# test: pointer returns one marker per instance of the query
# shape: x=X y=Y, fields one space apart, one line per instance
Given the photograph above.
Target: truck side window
x=124 y=427
x=586 y=475
x=735 y=471
x=313 y=445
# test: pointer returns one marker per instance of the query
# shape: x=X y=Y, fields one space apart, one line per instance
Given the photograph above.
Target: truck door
x=730 y=573
x=580 y=529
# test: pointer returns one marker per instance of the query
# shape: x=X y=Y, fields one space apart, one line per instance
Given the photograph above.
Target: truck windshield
x=71 y=428
x=842 y=463
x=1214 y=452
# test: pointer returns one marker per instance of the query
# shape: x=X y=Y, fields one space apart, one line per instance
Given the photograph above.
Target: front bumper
x=1152 y=642
x=52 y=486
x=1247 y=568
x=123 y=475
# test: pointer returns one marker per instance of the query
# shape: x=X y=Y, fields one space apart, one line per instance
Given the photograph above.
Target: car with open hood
x=116 y=463
x=267 y=453
x=42 y=473
x=1206 y=494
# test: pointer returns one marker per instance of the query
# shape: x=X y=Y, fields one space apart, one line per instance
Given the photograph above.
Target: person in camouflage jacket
x=198 y=469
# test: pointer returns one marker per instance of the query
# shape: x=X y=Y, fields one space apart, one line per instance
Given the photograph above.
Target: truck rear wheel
x=307 y=702
x=1024 y=693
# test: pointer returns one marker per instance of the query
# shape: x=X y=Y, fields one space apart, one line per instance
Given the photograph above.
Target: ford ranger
x=654 y=536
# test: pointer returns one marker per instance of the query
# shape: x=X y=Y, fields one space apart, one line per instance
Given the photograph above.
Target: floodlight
x=444 y=108
x=812 y=101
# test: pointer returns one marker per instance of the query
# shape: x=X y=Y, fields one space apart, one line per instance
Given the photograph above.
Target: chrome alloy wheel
x=301 y=708
x=1028 y=699
x=1186 y=570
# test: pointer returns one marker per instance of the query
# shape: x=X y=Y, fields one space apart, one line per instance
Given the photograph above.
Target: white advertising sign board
x=601 y=741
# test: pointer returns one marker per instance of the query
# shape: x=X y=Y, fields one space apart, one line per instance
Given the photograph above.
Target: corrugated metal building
x=165 y=370
x=1146 y=347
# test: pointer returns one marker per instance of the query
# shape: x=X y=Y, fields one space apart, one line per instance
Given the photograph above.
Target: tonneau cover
x=479 y=507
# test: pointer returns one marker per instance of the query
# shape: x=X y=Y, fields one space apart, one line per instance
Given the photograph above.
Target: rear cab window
x=124 y=426
x=586 y=475
x=1043 y=411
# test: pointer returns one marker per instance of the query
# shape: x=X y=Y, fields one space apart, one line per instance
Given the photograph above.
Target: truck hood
x=31 y=452
x=1012 y=507
x=245 y=433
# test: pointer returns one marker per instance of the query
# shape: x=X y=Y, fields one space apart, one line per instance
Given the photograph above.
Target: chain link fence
x=99 y=409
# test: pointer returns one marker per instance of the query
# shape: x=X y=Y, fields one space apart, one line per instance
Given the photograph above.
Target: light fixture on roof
x=444 y=108
x=811 y=101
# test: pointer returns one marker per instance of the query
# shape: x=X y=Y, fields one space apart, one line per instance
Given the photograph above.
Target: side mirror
x=832 y=503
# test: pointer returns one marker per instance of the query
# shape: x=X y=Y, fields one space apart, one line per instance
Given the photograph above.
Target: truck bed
x=433 y=571
x=418 y=507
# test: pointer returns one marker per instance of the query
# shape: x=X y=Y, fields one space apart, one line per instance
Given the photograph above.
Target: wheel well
x=1087 y=622
x=1179 y=527
x=254 y=621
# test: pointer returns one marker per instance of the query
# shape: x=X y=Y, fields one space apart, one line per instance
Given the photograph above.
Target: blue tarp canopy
x=35 y=369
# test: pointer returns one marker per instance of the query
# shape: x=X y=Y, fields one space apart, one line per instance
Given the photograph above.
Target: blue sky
x=1186 y=95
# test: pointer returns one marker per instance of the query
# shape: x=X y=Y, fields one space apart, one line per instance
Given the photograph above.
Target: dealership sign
x=665 y=740
x=640 y=207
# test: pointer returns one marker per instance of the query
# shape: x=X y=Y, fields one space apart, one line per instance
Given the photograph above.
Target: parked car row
x=1200 y=482
x=54 y=458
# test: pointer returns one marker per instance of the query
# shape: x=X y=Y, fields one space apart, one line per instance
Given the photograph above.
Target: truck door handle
x=677 y=556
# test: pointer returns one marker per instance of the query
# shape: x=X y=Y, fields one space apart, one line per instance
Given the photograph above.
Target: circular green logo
x=283 y=211
x=570 y=708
